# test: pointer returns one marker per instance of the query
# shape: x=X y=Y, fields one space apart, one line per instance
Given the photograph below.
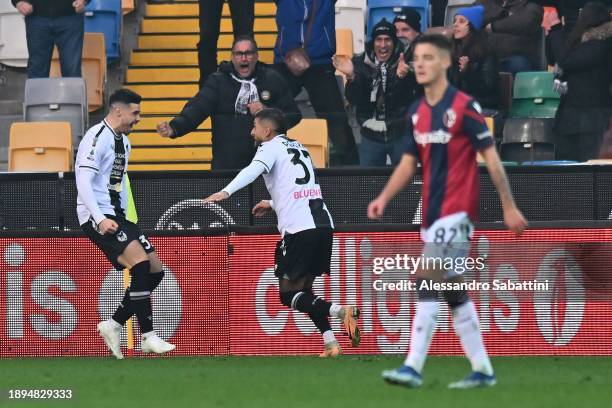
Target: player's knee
x=425 y=290
x=140 y=277
x=287 y=298
x=456 y=298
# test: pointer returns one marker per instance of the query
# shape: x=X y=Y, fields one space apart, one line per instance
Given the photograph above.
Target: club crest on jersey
x=121 y=236
x=449 y=118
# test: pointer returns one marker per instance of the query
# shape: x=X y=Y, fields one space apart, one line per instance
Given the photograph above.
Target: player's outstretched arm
x=400 y=178
x=246 y=176
x=513 y=218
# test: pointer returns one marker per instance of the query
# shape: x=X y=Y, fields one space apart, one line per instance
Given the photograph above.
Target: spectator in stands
x=585 y=60
x=49 y=23
x=243 y=16
x=514 y=27
x=380 y=95
x=231 y=97
x=475 y=69
x=407 y=28
x=303 y=55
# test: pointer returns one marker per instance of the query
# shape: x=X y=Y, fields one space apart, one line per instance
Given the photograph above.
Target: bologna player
x=304 y=252
x=445 y=130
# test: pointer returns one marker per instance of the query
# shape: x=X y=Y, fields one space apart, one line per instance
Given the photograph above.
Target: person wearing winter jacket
x=310 y=25
x=381 y=95
x=585 y=61
x=231 y=97
x=475 y=70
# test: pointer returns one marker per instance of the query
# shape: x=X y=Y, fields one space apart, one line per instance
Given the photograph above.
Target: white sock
x=335 y=310
x=467 y=327
x=328 y=337
x=423 y=327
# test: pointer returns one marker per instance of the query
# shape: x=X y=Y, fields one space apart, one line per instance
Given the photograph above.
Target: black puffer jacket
x=480 y=79
x=232 y=144
x=515 y=27
x=587 y=68
x=399 y=94
x=51 y=8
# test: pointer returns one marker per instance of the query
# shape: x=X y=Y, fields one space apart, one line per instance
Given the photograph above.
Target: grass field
x=291 y=382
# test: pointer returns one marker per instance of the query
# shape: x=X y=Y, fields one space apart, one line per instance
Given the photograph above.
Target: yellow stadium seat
x=312 y=133
x=93 y=68
x=344 y=42
x=40 y=146
x=127 y=6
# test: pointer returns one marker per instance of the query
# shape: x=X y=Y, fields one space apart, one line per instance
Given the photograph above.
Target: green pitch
x=295 y=382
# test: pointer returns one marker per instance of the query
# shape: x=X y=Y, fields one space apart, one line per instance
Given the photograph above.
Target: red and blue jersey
x=445 y=138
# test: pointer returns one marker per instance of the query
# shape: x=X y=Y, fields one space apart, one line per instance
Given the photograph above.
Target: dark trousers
x=243 y=15
x=322 y=87
x=42 y=33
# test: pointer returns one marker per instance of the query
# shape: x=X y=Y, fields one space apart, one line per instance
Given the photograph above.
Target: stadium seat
x=528 y=139
x=93 y=68
x=105 y=16
x=350 y=14
x=127 y=6
x=40 y=146
x=57 y=99
x=451 y=10
x=13 y=45
x=344 y=42
x=379 y=9
x=534 y=96
x=312 y=133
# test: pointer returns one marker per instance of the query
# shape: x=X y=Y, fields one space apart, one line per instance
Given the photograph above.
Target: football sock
x=140 y=296
x=306 y=302
x=124 y=311
x=155 y=279
x=423 y=327
x=328 y=337
x=335 y=310
x=467 y=327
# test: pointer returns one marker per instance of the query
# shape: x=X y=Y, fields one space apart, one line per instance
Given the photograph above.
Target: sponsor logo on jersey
x=438 y=136
x=308 y=193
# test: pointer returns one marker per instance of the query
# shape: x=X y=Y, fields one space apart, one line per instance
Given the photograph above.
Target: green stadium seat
x=534 y=96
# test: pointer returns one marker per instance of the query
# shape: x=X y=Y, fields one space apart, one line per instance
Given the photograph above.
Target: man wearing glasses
x=231 y=97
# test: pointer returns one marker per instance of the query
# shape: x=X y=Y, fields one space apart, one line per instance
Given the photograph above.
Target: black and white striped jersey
x=293 y=185
x=101 y=163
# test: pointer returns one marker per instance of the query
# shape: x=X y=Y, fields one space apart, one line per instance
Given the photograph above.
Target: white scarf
x=247 y=94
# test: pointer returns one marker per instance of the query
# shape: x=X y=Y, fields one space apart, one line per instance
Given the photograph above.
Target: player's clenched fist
x=376 y=209
x=165 y=130
x=108 y=226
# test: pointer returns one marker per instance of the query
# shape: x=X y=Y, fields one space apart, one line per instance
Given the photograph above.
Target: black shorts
x=114 y=245
x=306 y=253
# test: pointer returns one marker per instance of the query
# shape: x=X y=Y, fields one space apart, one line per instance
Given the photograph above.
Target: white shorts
x=447 y=240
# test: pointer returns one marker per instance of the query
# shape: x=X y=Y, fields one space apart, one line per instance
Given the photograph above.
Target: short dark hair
x=249 y=38
x=437 y=40
x=276 y=117
x=124 y=96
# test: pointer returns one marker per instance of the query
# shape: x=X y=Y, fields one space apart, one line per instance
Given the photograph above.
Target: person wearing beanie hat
x=475 y=68
x=407 y=24
x=383 y=27
x=474 y=14
x=379 y=95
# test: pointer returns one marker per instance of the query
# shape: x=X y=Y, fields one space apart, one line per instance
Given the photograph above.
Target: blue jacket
x=292 y=22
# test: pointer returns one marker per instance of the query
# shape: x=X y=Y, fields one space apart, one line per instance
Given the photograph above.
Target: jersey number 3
x=296 y=159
